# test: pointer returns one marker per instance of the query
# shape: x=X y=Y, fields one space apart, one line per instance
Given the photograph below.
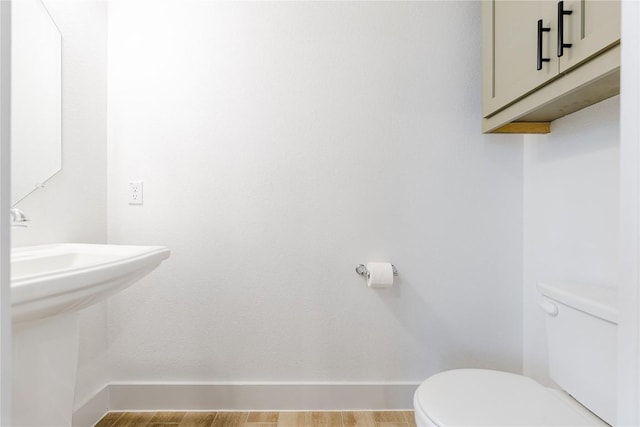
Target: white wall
x=5 y=197
x=571 y=213
x=280 y=145
x=72 y=207
x=628 y=297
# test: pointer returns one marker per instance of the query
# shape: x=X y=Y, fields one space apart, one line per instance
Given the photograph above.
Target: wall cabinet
x=545 y=59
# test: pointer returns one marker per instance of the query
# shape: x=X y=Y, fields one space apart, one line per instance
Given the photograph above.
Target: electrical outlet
x=135 y=192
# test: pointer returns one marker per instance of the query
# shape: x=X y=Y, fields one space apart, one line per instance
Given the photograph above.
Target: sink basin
x=49 y=280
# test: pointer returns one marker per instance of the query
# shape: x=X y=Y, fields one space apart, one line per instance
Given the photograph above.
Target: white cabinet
x=514 y=44
x=544 y=59
x=592 y=27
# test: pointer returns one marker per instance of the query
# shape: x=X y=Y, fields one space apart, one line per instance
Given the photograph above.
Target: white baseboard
x=92 y=410
x=246 y=397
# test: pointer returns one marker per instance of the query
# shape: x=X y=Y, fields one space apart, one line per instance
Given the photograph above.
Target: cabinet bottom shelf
x=588 y=84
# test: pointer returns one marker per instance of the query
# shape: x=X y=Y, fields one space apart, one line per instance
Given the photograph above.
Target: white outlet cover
x=135 y=192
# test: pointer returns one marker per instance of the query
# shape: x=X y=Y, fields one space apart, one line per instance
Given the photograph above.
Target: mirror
x=36 y=98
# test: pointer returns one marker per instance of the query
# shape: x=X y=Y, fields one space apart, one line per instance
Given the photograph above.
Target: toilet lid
x=480 y=397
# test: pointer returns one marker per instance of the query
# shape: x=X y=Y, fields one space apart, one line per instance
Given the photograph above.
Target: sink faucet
x=18 y=218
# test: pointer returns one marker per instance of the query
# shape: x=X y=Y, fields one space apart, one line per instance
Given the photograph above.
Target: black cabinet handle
x=541 y=29
x=561 y=13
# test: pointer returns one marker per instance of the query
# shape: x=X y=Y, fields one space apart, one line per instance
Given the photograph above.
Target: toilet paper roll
x=380 y=275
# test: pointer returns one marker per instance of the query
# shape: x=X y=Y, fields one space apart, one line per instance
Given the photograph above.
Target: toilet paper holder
x=361 y=269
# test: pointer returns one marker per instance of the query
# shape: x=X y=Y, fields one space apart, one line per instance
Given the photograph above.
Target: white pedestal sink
x=49 y=284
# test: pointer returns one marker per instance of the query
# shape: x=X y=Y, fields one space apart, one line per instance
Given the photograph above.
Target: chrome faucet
x=18 y=218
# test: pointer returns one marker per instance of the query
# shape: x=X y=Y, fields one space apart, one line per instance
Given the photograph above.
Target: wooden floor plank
x=259 y=419
x=262 y=417
x=358 y=419
x=167 y=417
x=326 y=419
x=230 y=419
x=295 y=419
x=389 y=417
x=410 y=416
x=110 y=419
x=134 y=419
x=198 y=419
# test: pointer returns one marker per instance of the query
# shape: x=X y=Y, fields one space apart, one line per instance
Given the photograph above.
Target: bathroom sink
x=49 y=280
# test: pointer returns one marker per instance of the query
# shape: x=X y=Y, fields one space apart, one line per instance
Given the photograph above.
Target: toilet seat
x=481 y=397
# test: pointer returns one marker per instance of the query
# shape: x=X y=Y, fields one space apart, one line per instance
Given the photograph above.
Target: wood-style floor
x=258 y=419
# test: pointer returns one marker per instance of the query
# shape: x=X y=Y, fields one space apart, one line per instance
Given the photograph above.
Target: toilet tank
x=581 y=323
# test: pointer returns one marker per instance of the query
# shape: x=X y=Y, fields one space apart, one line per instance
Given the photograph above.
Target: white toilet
x=581 y=336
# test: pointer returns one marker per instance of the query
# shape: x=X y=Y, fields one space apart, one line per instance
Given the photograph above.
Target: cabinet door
x=514 y=43
x=593 y=26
